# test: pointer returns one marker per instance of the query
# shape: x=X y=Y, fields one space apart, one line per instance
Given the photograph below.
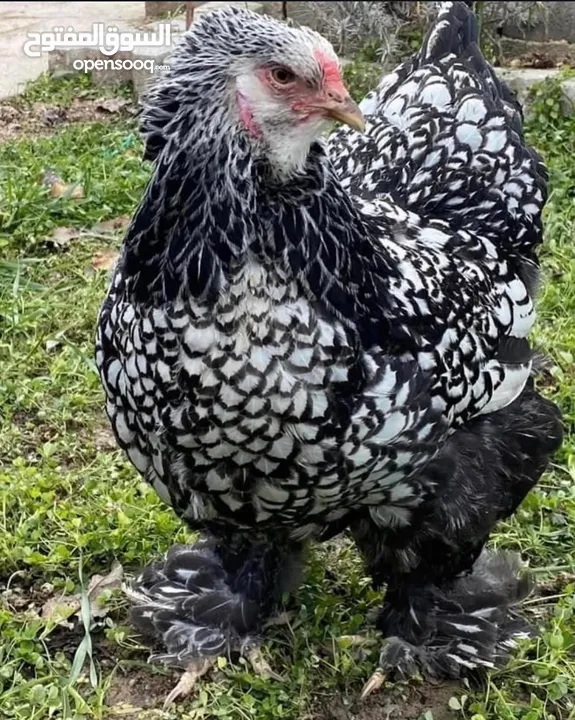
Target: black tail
x=454 y=32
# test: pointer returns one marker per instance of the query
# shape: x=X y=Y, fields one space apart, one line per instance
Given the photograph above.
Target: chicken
x=306 y=336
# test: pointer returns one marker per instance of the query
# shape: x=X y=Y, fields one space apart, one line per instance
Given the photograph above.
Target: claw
x=186 y=683
x=373 y=684
x=261 y=666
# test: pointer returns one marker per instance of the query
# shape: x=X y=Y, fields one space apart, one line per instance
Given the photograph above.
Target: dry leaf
x=111 y=105
x=50 y=114
x=74 y=192
x=59 y=609
x=58 y=188
x=104 y=259
x=100 y=584
x=112 y=226
x=62 y=236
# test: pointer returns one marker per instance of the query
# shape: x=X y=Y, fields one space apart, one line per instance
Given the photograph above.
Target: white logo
x=107 y=40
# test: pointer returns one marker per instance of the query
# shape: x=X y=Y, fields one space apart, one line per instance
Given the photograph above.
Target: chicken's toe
x=186 y=683
x=373 y=684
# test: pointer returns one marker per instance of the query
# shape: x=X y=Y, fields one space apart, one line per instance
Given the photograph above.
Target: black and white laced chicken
x=305 y=336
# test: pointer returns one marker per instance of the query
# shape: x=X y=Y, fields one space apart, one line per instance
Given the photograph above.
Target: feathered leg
x=212 y=599
x=449 y=606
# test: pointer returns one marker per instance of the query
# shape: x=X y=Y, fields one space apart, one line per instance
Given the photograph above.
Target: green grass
x=105 y=160
x=64 y=89
x=70 y=504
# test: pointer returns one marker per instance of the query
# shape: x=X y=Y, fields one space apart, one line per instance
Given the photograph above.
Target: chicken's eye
x=282 y=76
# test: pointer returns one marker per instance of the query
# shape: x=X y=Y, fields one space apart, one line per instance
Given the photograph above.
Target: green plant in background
x=361 y=77
x=479 y=9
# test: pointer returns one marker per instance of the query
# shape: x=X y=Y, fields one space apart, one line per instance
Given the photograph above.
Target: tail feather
x=456 y=33
x=453 y=32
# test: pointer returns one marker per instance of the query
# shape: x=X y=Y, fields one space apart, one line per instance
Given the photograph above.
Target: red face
x=331 y=99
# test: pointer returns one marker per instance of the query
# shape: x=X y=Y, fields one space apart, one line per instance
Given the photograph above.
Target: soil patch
x=135 y=689
x=17 y=120
x=415 y=702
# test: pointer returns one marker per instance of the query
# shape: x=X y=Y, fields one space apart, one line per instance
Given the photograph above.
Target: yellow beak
x=345 y=111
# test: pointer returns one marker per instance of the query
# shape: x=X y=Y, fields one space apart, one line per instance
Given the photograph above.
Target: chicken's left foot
x=398 y=658
x=187 y=682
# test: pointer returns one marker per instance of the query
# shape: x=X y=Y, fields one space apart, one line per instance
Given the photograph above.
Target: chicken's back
x=444 y=161
x=445 y=141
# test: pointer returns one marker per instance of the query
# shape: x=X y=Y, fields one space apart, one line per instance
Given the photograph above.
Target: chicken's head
x=289 y=90
x=280 y=85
